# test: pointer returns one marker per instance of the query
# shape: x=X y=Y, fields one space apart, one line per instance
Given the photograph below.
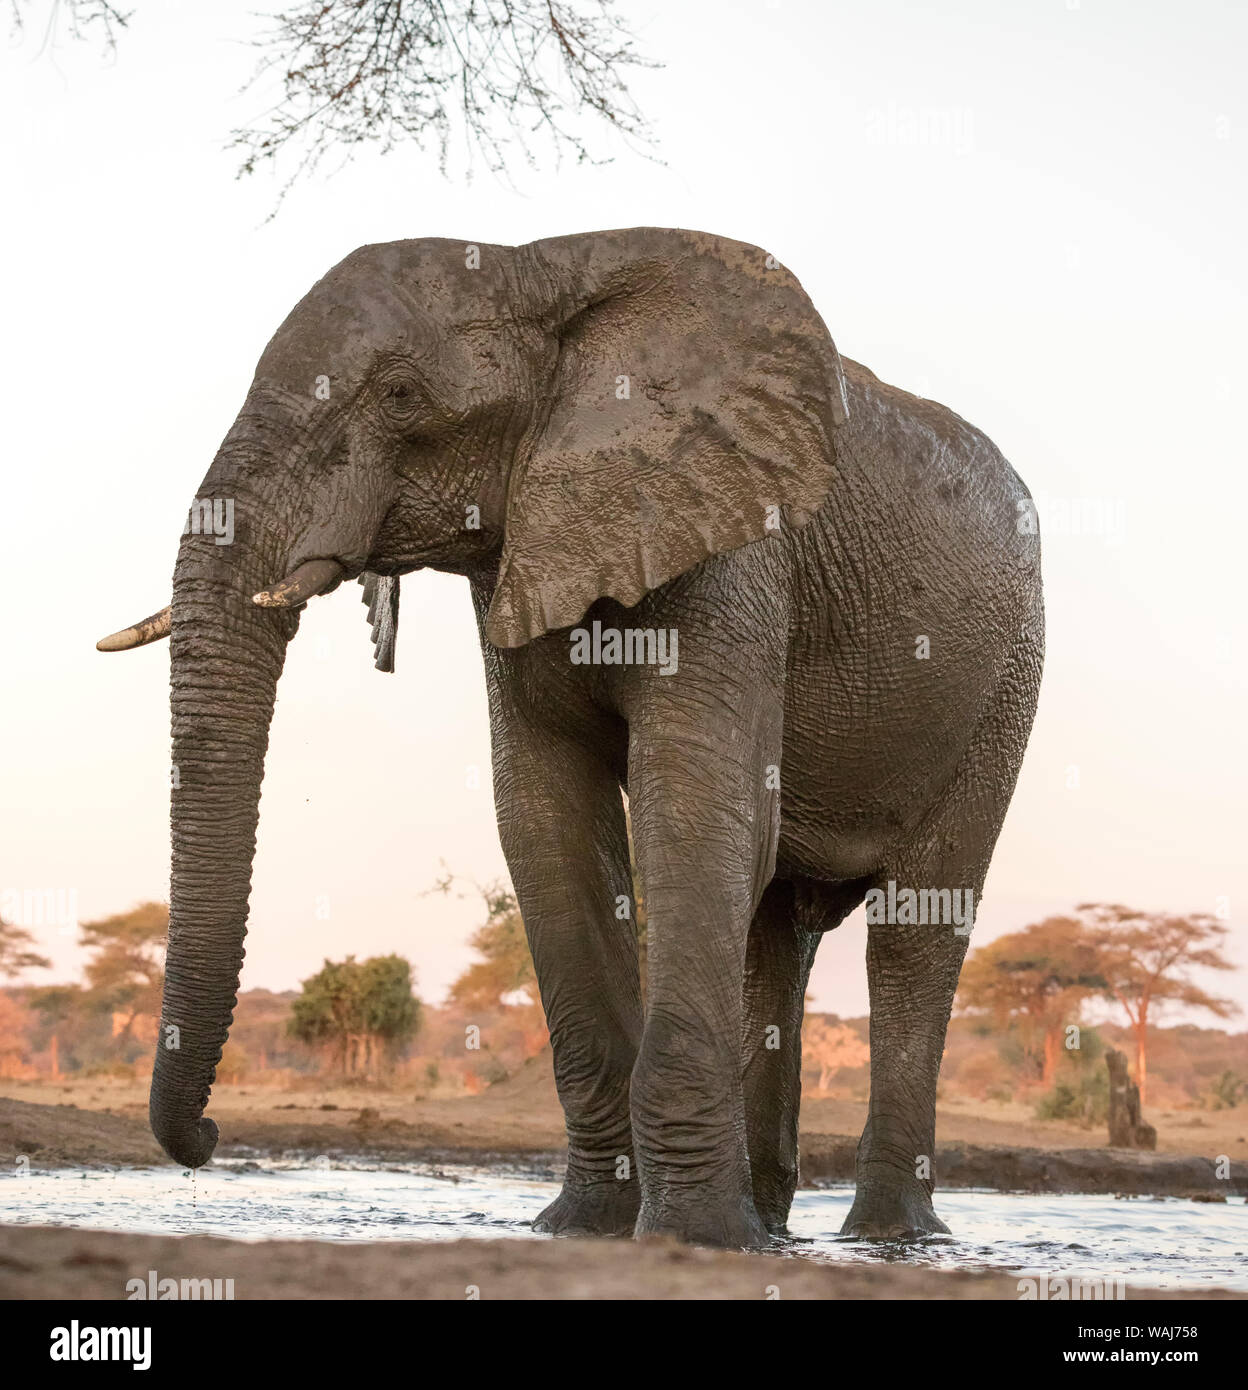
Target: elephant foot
x=775 y=1217
x=600 y=1209
x=773 y=1203
x=898 y=1216
x=697 y=1221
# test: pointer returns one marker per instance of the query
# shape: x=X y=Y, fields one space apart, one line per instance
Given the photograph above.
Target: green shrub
x=1083 y=1098
x=1225 y=1093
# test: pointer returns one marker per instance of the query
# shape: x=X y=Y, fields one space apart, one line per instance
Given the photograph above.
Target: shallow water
x=1148 y=1243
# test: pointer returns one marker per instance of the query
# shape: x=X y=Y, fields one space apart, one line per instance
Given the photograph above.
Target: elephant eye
x=400 y=395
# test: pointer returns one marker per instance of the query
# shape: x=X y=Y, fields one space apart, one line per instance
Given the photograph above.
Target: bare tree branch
x=83 y=19
x=505 y=75
x=501 y=77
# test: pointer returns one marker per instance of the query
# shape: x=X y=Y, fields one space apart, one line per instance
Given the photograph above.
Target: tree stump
x=1127 y=1130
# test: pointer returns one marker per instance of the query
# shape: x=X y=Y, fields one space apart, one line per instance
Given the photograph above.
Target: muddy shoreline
x=1007 y=1169
x=60 y=1136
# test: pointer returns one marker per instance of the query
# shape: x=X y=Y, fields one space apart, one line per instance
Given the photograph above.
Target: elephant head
x=582 y=417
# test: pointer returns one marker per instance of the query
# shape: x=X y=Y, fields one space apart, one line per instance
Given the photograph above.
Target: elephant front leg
x=704 y=829
x=561 y=820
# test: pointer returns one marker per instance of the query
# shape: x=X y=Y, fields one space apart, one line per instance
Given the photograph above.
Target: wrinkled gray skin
x=890 y=518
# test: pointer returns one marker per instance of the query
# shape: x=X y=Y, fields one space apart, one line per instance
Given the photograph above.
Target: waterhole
x=1149 y=1243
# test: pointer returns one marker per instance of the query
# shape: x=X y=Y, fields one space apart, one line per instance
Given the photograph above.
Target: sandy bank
x=56 y=1136
x=519 y=1121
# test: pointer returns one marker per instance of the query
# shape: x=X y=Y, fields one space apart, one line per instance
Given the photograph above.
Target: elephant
x=784 y=616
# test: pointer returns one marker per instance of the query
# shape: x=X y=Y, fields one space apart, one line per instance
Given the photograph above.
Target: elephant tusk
x=149 y=630
x=310 y=579
x=305 y=583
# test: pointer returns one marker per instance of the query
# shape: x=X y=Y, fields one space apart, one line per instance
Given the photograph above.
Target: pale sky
x=1032 y=212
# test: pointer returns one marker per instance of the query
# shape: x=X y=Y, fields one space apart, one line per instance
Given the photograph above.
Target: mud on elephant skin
x=633 y=443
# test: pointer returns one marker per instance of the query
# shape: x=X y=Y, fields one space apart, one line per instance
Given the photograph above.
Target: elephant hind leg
x=913 y=968
x=784 y=936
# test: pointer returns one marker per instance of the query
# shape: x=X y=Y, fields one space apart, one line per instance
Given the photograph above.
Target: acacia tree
x=829 y=1044
x=505 y=967
x=126 y=971
x=125 y=978
x=1036 y=979
x=15 y=952
x=16 y=956
x=65 y=1022
x=494 y=78
x=1144 y=958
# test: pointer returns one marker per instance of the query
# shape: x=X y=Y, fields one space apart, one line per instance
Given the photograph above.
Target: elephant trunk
x=227 y=654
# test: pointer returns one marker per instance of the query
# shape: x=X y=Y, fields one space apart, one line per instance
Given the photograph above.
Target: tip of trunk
x=190 y=1145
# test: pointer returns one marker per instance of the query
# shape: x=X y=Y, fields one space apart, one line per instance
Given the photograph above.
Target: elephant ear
x=694 y=401
x=381 y=593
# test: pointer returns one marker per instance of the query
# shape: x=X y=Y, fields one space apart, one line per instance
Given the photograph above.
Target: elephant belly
x=871 y=741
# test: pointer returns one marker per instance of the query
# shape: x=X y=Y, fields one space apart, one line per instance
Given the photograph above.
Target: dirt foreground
x=44 y=1262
